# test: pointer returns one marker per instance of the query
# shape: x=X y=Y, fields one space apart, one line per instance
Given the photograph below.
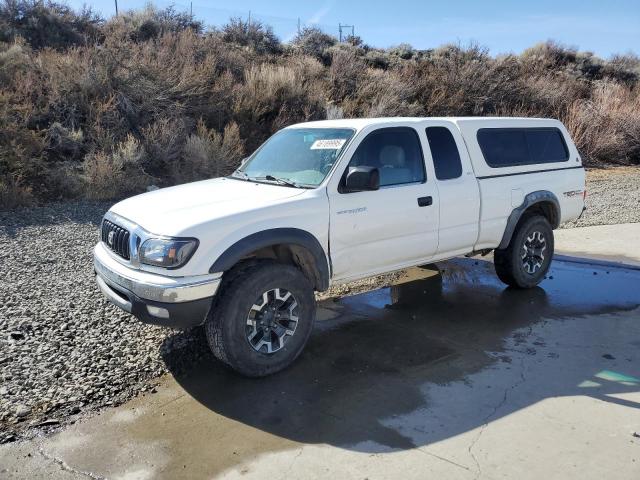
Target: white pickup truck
x=330 y=202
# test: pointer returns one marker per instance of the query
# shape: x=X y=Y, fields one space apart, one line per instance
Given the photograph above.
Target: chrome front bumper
x=182 y=301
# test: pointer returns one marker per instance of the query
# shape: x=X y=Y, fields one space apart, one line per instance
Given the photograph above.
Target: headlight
x=167 y=252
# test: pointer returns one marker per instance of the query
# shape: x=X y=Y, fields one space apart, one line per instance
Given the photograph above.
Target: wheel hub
x=533 y=252
x=272 y=319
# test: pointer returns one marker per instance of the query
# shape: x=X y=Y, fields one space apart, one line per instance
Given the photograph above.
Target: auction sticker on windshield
x=328 y=144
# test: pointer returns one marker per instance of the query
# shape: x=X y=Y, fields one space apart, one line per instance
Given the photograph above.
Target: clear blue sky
x=601 y=26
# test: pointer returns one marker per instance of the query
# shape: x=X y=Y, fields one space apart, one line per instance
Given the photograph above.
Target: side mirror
x=361 y=179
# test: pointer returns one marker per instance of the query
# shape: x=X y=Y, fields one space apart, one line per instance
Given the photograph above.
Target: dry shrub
x=14 y=193
x=404 y=51
x=108 y=122
x=47 y=23
x=346 y=73
x=184 y=73
x=624 y=68
x=108 y=108
x=377 y=58
x=66 y=143
x=151 y=22
x=551 y=95
x=163 y=141
x=550 y=56
x=22 y=153
x=388 y=95
x=314 y=42
x=334 y=112
x=117 y=174
x=65 y=181
x=252 y=34
x=606 y=128
x=14 y=58
x=465 y=81
x=272 y=97
x=308 y=68
x=208 y=153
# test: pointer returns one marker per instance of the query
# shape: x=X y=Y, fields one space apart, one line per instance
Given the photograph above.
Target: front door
x=390 y=228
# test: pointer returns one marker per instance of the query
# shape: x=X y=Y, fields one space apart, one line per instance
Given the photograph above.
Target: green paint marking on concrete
x=589 y=384
x=616 y=377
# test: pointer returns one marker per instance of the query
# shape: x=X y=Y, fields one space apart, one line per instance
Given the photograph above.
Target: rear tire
x=262 y=319
x=527 y=258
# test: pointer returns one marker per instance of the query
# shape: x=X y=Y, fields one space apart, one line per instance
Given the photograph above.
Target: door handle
x=425 y=201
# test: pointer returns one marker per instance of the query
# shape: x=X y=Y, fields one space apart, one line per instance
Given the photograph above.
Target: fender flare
x=529 y=200
x=277 y=236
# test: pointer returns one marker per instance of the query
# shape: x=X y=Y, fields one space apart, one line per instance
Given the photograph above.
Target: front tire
x=263 y=318
x=527 y=258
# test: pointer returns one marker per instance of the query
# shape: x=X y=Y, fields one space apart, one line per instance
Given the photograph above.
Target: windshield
x=299 y=156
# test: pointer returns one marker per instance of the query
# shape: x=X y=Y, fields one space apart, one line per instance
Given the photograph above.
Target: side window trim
x=396 y=185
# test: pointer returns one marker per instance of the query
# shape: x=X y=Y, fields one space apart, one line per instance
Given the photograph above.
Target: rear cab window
x=445 y=154
x=509 y=147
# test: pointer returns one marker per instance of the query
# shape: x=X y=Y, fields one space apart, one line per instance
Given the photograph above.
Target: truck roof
x=360 y=123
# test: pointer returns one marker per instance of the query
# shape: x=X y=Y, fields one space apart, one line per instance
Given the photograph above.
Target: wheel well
x=288 y=253
x=542 y=203
x=545 y=208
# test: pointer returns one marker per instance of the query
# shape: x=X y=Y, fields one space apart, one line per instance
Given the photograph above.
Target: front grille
x=119 y=242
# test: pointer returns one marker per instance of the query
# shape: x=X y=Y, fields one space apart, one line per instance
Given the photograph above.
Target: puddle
x=371 y=353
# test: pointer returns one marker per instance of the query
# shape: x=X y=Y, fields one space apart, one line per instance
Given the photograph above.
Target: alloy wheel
x=272 y=320
x=533 y=251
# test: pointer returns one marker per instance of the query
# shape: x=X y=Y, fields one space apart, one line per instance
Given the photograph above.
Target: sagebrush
x=104 y=109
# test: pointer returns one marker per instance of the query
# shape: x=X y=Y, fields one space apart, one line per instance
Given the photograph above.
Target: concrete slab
x=616 y=243
x=450 y=376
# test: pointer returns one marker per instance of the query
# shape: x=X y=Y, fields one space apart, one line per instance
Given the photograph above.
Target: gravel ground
x=613 y=196
x=64 y=350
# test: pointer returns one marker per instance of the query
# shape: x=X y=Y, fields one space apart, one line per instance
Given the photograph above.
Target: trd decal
x=573 y=193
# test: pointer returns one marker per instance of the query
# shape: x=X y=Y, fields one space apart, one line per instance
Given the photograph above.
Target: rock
x=22 y=411
x=16 y=335
x=7 y=437
x=47 y=422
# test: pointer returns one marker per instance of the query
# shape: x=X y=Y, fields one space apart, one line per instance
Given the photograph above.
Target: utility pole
x=191 y=9
x=116 y=7
x=249 y=20
x=341 y=26
x=298 y=25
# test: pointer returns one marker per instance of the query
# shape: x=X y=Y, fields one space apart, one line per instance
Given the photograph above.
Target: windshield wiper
x=281 y=181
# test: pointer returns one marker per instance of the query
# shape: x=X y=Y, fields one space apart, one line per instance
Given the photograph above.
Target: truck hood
x=174 y=210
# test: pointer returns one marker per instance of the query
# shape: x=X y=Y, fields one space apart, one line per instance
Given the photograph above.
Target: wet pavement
x=447 y=373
